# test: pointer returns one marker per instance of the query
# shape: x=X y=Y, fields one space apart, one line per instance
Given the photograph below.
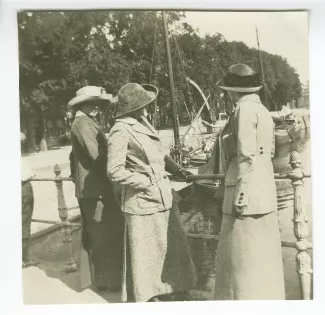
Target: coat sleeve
x=72 y=166
x=170 y=165
x=116 y=160
x=86 y=136
x=246 y=123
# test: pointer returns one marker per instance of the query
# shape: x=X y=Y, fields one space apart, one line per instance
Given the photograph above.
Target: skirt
x=157 y=254
x=101 y=259
x=249 y=259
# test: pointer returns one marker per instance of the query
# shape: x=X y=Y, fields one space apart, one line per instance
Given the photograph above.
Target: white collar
x=80 y=113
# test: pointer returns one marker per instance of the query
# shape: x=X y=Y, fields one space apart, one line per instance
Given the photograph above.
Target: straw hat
x=240 y=78
x=133 y=96
x=89 y=94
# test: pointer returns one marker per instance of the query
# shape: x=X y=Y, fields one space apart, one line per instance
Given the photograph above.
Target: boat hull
x=283 y=136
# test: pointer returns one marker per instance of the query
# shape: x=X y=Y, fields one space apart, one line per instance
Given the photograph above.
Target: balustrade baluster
x=301 y=230
x=70 y=265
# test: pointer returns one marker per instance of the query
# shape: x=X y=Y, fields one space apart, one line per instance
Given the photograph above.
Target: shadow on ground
x=53 y=255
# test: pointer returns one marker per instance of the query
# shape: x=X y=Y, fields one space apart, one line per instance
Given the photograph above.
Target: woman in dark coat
x=103 y=223
x=158 y=263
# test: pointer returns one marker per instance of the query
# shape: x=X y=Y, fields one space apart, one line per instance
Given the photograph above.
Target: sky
x=282 y=33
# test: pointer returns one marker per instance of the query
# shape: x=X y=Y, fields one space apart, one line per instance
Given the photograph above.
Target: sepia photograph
x=165 y=156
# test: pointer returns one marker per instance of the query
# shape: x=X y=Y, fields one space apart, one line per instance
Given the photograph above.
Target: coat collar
x=249 y=98
x=80 y=113
x=128 y=120
x=145 y=128
x=142 y=127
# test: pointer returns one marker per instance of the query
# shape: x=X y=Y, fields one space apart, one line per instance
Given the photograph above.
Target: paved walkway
x=39 y=288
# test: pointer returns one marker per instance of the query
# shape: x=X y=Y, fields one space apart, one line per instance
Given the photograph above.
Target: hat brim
x=152 y=92
x=81 y=99
x=241 y=89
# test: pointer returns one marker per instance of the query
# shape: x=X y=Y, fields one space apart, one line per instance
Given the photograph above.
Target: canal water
x=201 y=215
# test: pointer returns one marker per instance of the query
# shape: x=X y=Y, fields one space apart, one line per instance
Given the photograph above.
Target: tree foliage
x=59 y=52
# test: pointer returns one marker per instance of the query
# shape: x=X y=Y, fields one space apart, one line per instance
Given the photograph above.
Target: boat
x=189 y=157
x=287 y=126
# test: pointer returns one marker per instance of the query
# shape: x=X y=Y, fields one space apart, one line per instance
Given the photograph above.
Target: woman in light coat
x=249 y=256
x=158 y=263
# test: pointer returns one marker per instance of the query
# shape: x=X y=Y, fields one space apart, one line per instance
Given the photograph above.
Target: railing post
x=301 y=230
x=70 y=265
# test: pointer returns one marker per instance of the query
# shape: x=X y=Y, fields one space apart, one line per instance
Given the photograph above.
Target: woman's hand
x=183 y=173
x=238 y=211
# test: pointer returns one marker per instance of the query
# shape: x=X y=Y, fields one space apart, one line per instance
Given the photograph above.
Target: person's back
x=256 y=136
x=89 y=147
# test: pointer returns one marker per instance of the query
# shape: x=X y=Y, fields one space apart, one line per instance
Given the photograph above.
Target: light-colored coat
x=157 y=253
x=249 y=257
x=136 y=160
x=248 y=147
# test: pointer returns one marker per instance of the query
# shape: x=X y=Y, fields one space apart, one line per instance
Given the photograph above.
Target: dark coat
x=103 y=222
x=89 y=147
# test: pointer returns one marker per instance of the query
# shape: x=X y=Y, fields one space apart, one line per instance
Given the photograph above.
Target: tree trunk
x=43 y=144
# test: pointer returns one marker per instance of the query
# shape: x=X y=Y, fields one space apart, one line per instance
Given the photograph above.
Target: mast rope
x=185 y=76
x=153 y=49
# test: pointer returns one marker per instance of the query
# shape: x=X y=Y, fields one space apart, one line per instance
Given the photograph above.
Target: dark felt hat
x=241 y=78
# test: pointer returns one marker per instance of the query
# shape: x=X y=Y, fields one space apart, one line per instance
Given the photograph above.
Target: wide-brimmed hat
x=240 y=78
x=89 y=94
x=133 y=96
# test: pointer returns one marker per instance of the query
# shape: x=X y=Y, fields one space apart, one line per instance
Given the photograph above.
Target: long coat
x=137 y=161
x=89 y=146
x=248 y=145
x=157 y=253
x=103 y=224
x=249 y=257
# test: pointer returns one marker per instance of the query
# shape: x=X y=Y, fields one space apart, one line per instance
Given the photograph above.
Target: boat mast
x=262 y=70
x=171 y=82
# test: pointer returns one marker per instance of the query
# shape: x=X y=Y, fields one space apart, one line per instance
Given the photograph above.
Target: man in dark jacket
x=102 y=235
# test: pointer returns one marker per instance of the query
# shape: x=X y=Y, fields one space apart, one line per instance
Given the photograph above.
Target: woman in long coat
x=249 y=257
x=158 y=262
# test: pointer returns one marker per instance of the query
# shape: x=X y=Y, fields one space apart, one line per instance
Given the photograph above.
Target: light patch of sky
x=281 y=33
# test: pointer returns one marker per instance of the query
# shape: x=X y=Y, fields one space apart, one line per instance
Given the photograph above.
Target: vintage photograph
x=165 y=156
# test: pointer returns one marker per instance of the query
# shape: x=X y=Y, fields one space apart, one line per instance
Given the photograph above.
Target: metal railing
x=301 y=231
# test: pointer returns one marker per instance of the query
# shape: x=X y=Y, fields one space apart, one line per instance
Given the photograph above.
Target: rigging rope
x=185 y=76
x=189 y=89
x=153 y=49
x=286 y=127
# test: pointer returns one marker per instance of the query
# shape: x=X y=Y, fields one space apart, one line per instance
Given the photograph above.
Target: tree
x=59 y=52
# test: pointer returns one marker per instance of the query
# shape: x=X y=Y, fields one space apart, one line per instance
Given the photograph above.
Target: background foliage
x=59 y=52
